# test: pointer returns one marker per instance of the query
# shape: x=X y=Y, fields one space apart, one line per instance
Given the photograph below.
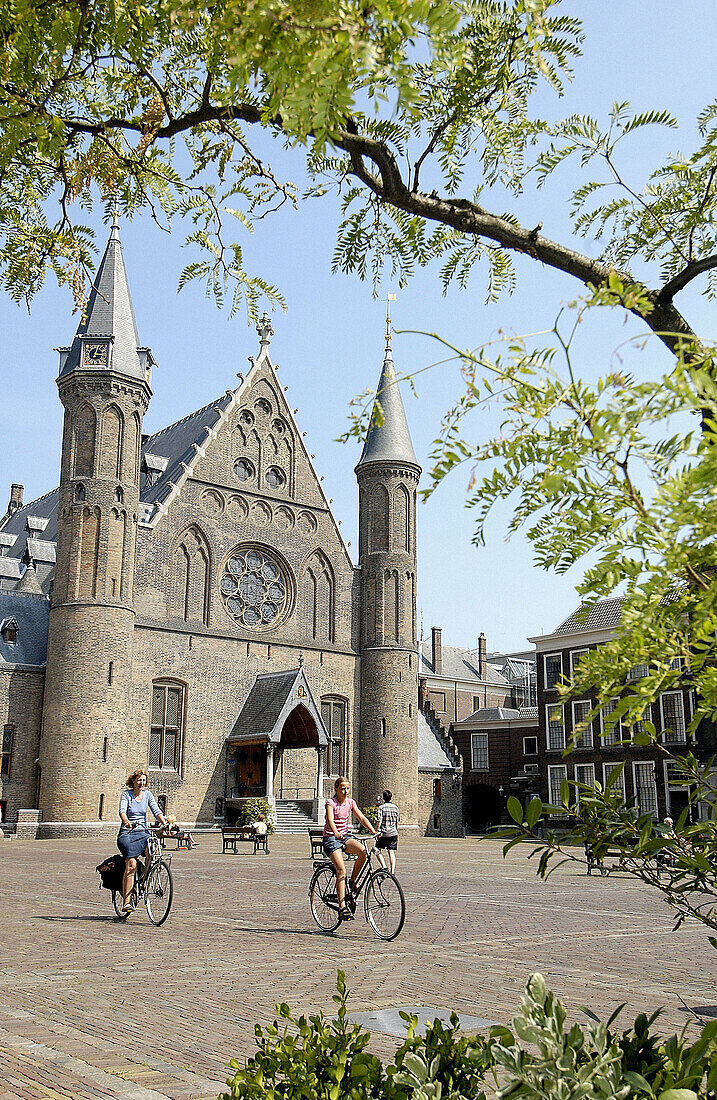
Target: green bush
x=252 y=808
x=323 y=1058
x=371 y=812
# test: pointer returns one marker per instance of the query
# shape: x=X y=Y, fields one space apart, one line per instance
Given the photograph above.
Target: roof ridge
x=37 y=500
x=23 y=595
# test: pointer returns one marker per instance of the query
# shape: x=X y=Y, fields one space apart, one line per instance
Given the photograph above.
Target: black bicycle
x=152 y=884
x=384 y=905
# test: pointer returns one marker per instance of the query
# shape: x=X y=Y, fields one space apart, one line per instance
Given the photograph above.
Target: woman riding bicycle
x=134 y=832
x=336 y=841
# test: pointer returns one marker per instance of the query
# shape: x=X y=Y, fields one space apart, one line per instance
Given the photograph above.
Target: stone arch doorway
x=295 y=775
x=481 y=807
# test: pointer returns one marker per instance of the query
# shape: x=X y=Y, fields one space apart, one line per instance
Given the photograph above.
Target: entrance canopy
x=276 y=700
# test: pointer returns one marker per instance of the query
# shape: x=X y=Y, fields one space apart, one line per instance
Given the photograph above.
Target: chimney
x=482 y=663
x=436 y=650
x=16 y=492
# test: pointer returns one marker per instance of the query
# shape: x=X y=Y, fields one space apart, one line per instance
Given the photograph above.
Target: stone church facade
x=186 y=601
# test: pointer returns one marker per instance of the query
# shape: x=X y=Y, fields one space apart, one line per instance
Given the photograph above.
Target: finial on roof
x=301 y=660
x=114 y=235
x=265 y=330
x=389 y=298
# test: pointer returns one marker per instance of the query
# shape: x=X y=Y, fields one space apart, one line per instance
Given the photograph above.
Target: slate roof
x=175 y=444
x=32 y=615
x=500 y=714
x=390 y=440
x=431 y=754
x=45 y=507
x=268 y=705
x=601 y=616
x=458 y=664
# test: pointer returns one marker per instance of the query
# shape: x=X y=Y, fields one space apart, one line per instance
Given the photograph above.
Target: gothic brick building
x=185 y=600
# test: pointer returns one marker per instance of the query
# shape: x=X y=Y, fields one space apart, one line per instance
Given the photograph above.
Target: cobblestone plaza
x=91 y=1007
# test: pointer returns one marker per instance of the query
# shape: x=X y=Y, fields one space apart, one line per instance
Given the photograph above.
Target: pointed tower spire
x=106 y=338
x=388 y=438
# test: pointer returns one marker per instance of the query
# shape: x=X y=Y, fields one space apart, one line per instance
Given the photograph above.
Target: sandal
x=345 y=913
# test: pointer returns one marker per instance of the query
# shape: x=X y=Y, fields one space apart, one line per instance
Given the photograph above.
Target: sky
x=329 y=344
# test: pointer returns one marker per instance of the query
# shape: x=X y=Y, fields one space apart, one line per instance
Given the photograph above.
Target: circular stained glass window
x=275 y=477
x=254 y=589
x=243 y=469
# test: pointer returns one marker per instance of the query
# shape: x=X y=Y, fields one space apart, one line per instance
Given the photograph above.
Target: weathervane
x=265 y=330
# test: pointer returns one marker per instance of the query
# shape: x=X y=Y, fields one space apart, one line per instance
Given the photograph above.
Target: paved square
x=91 y=1007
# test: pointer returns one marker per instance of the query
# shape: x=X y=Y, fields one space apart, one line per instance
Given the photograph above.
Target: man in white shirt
x=387 y=825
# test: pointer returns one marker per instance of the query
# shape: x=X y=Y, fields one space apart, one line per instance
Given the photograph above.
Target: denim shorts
x=332 y=844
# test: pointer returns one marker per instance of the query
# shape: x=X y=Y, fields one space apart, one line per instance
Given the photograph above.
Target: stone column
x=320 y=770
x=270 y=775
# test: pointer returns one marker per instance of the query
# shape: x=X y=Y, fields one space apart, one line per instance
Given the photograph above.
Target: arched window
x=404 y=535
x=167 y=724
x=190 y=577
x=85 y=431
x=319 y=592
x=334 y=711
x=379 y=519
x=111 y=443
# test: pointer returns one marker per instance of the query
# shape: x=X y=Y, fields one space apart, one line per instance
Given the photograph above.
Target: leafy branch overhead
x=397 y=105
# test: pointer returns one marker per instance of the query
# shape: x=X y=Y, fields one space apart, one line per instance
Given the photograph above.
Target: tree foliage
x=420 y=113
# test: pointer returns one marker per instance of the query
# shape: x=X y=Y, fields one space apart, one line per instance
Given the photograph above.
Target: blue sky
x=330 y=342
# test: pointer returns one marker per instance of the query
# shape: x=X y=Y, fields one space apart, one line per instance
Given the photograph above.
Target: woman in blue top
x=134 y=833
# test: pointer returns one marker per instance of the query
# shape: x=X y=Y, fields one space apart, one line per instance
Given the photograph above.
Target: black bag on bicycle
x=111 y=872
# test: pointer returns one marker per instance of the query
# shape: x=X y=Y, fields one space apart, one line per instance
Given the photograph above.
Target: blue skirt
x=132 y=842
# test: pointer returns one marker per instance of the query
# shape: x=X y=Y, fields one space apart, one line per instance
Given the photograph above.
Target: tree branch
x=688 y=273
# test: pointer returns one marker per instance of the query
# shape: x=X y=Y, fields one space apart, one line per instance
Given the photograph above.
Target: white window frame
x=614 y=734
x=677 y=736
x=546 y=656
x=671 y=786
x=587 y=781
x=585 y=739
x=474 y=753
x=636 y=672
x=618 y=786
x=552 y=708
x=638 y=764
x=638 y=724
x=575 y=655
x=556 y=774
x=525 y=751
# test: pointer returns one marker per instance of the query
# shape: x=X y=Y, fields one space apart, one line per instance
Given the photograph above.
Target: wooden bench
x=622 y=861
x=237 y=834
x=179 y=842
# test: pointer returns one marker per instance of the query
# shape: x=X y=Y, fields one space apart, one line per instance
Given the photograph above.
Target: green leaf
x=515 y=809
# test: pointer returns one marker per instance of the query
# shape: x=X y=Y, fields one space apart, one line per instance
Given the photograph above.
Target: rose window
x=254 y=589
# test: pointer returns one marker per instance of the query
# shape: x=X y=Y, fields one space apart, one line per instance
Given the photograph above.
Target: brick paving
x=94 y=1008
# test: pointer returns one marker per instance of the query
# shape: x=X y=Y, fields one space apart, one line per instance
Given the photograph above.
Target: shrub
x=322 y=1058
x=252 y=808
x=371 y=812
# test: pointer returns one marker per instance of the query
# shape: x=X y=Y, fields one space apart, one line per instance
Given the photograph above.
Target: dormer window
x=9 y=631
x=153 y=466
x=36 y=525
x=6 y=541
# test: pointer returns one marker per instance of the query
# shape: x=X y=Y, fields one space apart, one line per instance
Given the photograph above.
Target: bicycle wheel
x=384 y=905
x=324 y=900
x=158 y=892
x=118 y=902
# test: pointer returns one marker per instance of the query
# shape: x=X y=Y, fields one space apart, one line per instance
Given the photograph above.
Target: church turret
x=104 y=386
x=388 y=476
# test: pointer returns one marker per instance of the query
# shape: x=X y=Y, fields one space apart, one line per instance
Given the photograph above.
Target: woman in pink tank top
x=336 y=841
